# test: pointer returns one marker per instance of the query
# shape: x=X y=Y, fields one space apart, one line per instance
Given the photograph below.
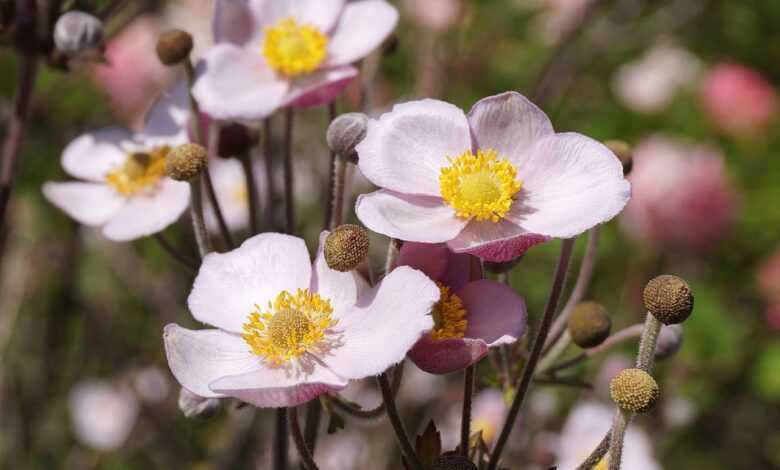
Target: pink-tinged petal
x=430 y=258
x=447 y=355
x=237 y=84
x=508 y=123
x=406 y=148
x=378 y=334
x=361 y=29
x=235 y=22
x=320 y=87
x=199 y=357
x=166 y=122
x=571 y=183
x=145 y=215
x=494 y=311
x=458 y=272
x=411 y=218
x=275 y=387
x=91 y=204
x=340 y=288
x=229 y=284
x=92 y=155
x=498 y=242
x=320 y=13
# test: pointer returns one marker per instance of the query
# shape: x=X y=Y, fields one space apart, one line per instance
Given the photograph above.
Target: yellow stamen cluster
x=140 y=171
x=449 y=316
x=294 y=49
x=480 y=186
x=292 y=325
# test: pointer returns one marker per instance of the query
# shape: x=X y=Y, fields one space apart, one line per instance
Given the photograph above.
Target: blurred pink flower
x=103 y=414
x=739 y=100
x=470 y=317
x=682 y=197
x=769 y=277
x=772 y=316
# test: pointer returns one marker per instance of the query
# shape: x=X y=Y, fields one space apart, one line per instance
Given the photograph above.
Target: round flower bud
x=195 y=405
x=76 y=32
x=453 y=461
x=634 y=390
x=624 y=153
x=589 y=324
x=346 y=247
x=499 y=267
x=186 y=162
x=669 y=341
x=669 y=299
x=345 y=133
x=174 y=47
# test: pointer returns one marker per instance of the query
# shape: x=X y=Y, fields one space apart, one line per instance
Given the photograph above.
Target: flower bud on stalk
x=589 y=324
x=670 y=340
x=77 y=32
x=669 y=299
x=174 y=47
x=634 y=390
x=345 y=133
x=624 y=153
x=346 y=247
x=195 y=405
x=186 y=161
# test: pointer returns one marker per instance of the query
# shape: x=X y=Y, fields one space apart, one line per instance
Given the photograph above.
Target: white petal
x=320 y=87
x=229 y=285
x=237 y=84
x=320 y=13
x=340 y=288
x=412 y=218
x=236 y=22
x=361 y=29
x=145 y=215
x=91 y=204
x=406 y=148
x=92 y=155
x=199 y=357
x=166 y=122
x=378 y=335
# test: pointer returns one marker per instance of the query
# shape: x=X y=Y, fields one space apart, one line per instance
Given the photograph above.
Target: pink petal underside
x=430 y=258
x=498 y=242
x=448 y=355
x=320 y=87
x=495 y=313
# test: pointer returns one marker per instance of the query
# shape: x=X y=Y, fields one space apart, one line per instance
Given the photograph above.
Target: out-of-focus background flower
x=691 y=84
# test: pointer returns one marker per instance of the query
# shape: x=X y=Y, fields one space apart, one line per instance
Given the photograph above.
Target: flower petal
x=228 y=285
x=146 y=215
x=411 y=218
x=362 y=28
x=498 y=242
x=571 y=184
x=166 y=122
x=320 y=13
x=495 y=313
x=508 y=123
x=91 y=204
x=340 y=288
x=430 y=258
x=379 y=334
x=320 y=87
x=406 y=148
x=199 y=357
x=447 y=355
x=236 y=84
x=92 y=155
x=236 y=22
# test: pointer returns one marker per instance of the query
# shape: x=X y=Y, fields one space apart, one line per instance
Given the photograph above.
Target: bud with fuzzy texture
x=670 y=339
x=345 y=133
x=453 y=461
x=186 y=161
x=624 y=153
x=77 y=32
x=634 y=390
x=669 y=299
x=174 y=47
x=195 y=405
x=589 y=324
x=346 y=247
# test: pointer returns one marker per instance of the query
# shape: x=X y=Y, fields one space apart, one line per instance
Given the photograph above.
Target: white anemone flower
x=103 y=414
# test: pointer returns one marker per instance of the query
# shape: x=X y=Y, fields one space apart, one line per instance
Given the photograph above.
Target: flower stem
x=175 y=253
x=280 y=442
x=616 y=438
x=631 y=332
x=270 y=185
x=465 y=421
x=377 y=411
x=307 y=460
x=335 y=193
x=556 y=290
x=647 y=344
x=312 y=426
x=289 y=203
x=213 y=142
x=196 y=213
x=395 y=421
x=598 y=453
x=253 y=193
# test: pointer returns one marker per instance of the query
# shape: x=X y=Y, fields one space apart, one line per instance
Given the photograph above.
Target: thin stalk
x=598 y=453
x=379 y=410
x=339 y=189
x=465 y=420
x=332 y=175
x=647 y=344
x=307 y=460
x=281 y=442
x=312 y=426
x=270 y=185
x=616 y=439
x=289 y=191
x=631 y=332
x=213 y=149
x=175 y=253
x=398 y=425
x=393 y=249
x=196 y=214
x=556 y=290
x=552 y=355
x=253 y=193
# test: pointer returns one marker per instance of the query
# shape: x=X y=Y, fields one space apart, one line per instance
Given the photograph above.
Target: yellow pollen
x=292 y=325
x=480 y=186
x=140 y=171
x=294 y=49
x=487 y=428
x=602 y=465
x=449 y=316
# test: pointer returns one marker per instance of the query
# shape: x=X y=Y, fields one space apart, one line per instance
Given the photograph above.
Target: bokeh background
x=691 y=84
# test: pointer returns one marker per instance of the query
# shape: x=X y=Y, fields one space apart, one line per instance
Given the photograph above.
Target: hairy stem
x=307 y=460
x=398 y=425
x=616 y=439
x=175 y=253
x=647 y=344
x=465 y=420
x=281 y=441
x=196 y=214
x=598 y=453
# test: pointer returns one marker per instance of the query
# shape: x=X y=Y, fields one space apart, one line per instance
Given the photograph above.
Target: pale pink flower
x=275 y=53
x=229 y=180
x=488 y=413
x=682 y=197
x=470 y=317
x=150 y=384
x=102 y=414
x=739 y=100
x=123 y=187
x=288 y=331
x=493 y=183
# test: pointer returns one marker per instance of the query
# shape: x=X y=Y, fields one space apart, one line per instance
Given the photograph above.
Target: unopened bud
x=193 y=405
x=345 y=133
x=634 y=390
x=589 y=324
x=670 y=340
x=174 y=47
x=186 y=161
x=453 y=461
x=669 y=299
x=624 y=153
x=500 y=267
x=346 y=247
x=76 y=32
